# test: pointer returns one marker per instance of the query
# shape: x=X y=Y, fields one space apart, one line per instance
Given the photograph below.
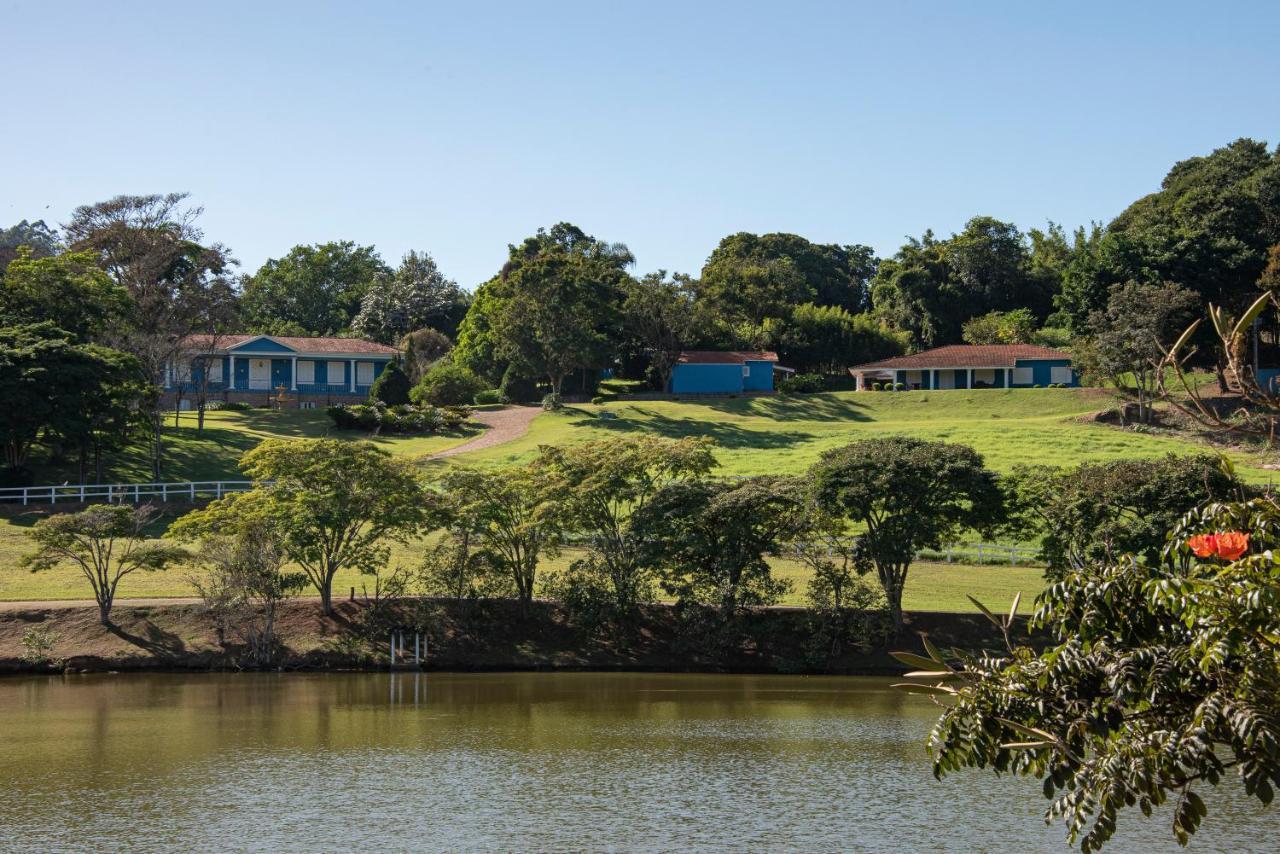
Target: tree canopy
x=312 y=290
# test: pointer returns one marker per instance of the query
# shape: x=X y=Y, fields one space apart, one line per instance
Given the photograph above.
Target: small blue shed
x=723 y=372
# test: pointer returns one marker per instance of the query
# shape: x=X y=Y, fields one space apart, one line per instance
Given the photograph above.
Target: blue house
x=968 y=366
x=252 y=368
x=723 y=372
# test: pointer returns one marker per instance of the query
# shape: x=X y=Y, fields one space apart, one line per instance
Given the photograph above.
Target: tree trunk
x=326 y=598
x=104 y=610
x=157 y=442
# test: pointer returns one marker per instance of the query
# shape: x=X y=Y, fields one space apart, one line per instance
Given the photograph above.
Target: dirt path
x=502 y=425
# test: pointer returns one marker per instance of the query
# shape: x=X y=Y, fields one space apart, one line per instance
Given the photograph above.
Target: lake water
x=320 y=762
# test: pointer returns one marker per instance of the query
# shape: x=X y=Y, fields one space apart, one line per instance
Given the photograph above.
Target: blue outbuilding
x=971 y=366
x=724 y=372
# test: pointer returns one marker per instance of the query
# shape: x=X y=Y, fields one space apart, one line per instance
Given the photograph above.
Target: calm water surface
x=256 y=762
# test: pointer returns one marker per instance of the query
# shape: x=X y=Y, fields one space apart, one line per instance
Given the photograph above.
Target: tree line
x=566 y=306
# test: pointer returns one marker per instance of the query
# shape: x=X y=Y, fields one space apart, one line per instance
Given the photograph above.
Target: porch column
x=231 y=373
x=933 y=379
x=353 y=376
x=1008 y=377
x=968 y=383
x=293 y=374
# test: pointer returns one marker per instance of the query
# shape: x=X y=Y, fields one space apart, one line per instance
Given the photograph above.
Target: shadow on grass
x=726 y=435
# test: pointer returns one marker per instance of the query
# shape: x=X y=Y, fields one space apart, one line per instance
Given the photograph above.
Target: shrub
x=552 y=402
x=599 y=400
x=447 y=384
x=802 y=384
x=37 y=645
x=488 y=397
x=405 y=420
x=391 y=387
x=517 y=388
x=875 y=386
x=899 y=387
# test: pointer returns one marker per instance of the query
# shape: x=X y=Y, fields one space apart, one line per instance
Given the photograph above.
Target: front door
x=259 y=373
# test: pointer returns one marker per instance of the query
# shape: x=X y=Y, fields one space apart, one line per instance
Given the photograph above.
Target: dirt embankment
x=485 y=635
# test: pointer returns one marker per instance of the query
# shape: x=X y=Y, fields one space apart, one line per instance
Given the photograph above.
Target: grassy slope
x=757 y=435
x=787 y=434
x=215 y=453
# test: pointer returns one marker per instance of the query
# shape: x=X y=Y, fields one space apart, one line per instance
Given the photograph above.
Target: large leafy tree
x=37 y=236
x=828 y=339
x=334 y=504
x=1127 y=342
x=709 y=540
x=600 y=486
x=554 y=308
x=416 y=296
x=178 y=285
x=1161 y=681
x=105 y=543
x=757 y=276
x=313 y=290
x=504 y=521
x=70 y=290
x=904 y=495
x=660 y=321
x=1097 y=512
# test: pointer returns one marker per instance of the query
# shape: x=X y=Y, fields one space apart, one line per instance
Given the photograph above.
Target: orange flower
x=1232 y=544
x=1204 y=545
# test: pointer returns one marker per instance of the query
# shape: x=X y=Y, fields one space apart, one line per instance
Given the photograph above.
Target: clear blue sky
x=460 y=127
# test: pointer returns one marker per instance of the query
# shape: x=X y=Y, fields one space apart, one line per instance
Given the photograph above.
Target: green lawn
x=753 y=436
x=785 y=435
x=214 y=454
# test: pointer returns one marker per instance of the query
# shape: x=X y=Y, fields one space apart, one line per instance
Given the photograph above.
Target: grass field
x=785 y=435
x=753 y=436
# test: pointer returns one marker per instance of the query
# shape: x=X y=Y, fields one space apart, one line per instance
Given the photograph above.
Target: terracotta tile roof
x=968 y=356
x=725 y=357
x=353 y=346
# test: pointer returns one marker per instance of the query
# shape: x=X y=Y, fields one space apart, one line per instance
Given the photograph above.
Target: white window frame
x=338 y=377
x=364 y=373
x=984 y=375
x=213 y=370
x=306 y=373
x=262 y=383
x=746 y=370
x=307 y=404
x=182 y=372
x=1023 y=376
x=1061 y=374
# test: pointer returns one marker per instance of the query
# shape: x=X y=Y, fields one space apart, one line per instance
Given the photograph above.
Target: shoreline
x=465 y=636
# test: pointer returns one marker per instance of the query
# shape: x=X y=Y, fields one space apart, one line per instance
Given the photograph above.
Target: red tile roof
x=968 y=356
x=353 y=346
x=725 y=357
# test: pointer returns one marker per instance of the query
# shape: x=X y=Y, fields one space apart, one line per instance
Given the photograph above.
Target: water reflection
x=533 y=761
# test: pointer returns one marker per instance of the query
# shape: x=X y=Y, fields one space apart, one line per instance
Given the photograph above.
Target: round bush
x=488 y=396
x=447 y=384
x=392 y=386
x=552 y=402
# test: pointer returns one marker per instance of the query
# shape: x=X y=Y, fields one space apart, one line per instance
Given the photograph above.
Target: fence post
x=82 y=493
x=164 y=492
x=219 y=489
x=979 y=553
x=24 y=496
x=53 y=495
x=1013 y=555
x=193 y=492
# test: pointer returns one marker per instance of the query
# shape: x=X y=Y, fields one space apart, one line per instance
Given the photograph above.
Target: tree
x=601 y=485
x=905 y=495
x=335 y=505
x=105 y=542
x=422 y=349
x=1128 y=342
x=708 y=540
x=827 y=339
x=1098 y=512
x=37 y=236
x=560 y=304
x=1001 y=327
x=1161 y=680
x=659 y=317
x=759 y=276
x=391 y=387
x=508 y=519
x=415 y=296
x=313 y=290
x=102 y=398
x=244 y=583
x=447 y=384
x=38 y=289
x=152 y=247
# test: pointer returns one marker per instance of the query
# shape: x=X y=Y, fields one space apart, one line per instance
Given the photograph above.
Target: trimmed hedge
x=403 y=420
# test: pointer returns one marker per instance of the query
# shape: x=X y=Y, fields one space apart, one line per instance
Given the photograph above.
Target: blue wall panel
x=759 y=377
x=706 y=379
x=261 y=345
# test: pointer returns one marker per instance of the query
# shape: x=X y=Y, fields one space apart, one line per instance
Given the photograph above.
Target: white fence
x=81 y=493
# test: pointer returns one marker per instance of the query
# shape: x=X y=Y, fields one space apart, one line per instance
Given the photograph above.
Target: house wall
x=281 y=374
x=706 y=379
x=1041 y=371
x=759 y=376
